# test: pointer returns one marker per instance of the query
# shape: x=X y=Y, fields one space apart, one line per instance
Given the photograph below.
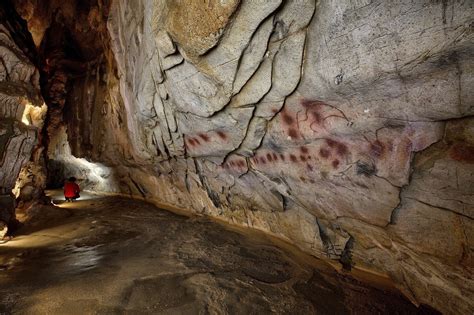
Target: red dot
x=331 y=143
x=204 y=137
x=221 y=135
x=324 y=153
x=292 y=133
x=287 y=119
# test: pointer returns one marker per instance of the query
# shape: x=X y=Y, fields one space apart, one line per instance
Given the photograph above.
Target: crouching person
x=71 y=189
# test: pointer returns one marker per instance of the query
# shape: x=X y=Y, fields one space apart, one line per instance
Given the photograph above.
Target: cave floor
x=113 y=255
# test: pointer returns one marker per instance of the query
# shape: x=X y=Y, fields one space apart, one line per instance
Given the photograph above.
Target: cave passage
x=107 y=255
x=317 y=157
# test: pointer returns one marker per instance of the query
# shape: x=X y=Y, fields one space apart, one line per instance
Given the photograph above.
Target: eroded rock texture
x=344 y=127
x=21 y=114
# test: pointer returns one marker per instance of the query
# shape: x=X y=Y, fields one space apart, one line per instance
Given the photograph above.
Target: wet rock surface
x=112 y=255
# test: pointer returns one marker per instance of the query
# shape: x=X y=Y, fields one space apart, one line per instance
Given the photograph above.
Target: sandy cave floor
x=113 y=255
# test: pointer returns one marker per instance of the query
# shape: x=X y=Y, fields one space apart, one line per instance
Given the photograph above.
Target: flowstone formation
x=343 y=127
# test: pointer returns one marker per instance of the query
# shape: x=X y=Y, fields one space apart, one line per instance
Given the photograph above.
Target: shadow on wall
x=62 y=164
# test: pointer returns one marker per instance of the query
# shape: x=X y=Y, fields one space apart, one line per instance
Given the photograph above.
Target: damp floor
x=113 y=255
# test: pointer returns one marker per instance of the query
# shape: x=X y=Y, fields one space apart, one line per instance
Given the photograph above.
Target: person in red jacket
x=71 y=189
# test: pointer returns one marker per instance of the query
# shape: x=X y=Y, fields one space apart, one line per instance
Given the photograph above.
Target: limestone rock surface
x=344 y=127
x=325 y=124
x=20 y=110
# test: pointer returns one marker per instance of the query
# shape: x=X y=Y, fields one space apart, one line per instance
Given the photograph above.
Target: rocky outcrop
x=344 y=127
x=21 y=114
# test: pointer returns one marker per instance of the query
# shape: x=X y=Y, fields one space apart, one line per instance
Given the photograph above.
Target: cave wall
x=21 y=108
x=343 y=127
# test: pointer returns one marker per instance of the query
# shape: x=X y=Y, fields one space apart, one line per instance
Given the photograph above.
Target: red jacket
x=71 y=190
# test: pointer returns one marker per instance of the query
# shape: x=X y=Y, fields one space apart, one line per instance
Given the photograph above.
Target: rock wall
x=344 y=127
x=21 y=108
